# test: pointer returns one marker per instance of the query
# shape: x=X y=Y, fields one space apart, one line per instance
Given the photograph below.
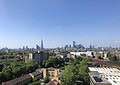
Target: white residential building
x=110 y=74
x=87 y=53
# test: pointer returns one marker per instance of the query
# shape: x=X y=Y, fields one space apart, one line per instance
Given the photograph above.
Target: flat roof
x=97 y=79
x=111 y=74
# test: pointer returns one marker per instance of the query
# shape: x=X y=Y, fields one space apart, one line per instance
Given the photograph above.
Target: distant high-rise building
x=80 y=46
x=74 y=44
x=27 y=48
x=37 y=47
x=91 y=47
x=42 y=45
x=66 y=47
x=23 y=48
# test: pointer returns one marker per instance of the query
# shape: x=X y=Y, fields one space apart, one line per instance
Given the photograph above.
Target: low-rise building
x=53 y=73
x=96 y=79
x=38 y=57
x=87 y=53
x=25 y=79
x=54 y=82
x=19 y=81
x=112 y=75
x=102 y=55
x=29 y=57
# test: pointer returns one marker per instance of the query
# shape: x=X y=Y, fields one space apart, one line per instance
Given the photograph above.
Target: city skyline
x=93 y=44
x=58 y=23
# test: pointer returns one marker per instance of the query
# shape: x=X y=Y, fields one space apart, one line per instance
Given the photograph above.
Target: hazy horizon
x=59 y=22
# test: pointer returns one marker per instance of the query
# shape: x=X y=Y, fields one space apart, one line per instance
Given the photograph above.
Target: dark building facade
x=40 y=57
x=42 y=47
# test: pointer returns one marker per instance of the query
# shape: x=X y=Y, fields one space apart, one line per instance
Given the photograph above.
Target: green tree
x=68 y=76
x=76 y=71
x=112 y=57
x=54 y=62
x=16 y=69
x=47 y=79
x=35 y=83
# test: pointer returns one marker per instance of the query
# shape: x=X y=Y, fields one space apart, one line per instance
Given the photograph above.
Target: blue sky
x=58 y=22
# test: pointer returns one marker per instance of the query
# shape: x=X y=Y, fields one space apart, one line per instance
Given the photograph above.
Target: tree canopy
x=16 y=69
x=54 y=62
x=76 y=72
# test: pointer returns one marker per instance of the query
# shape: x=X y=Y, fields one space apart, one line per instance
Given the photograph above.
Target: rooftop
x=110 y=74
x=97 y=79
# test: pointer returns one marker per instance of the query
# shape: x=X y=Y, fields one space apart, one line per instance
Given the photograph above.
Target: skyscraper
x=37 y=47
x=74 y=44
x=42 y=45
